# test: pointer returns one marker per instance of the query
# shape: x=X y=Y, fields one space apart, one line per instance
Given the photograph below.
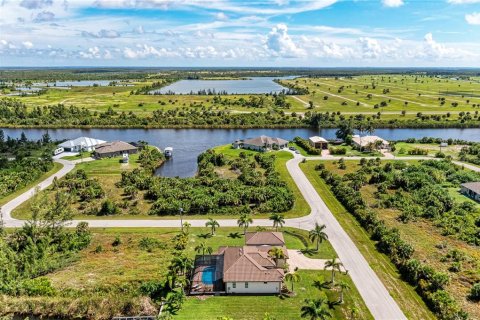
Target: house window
x=265 y=282
x=234 y=285
x=246 y=285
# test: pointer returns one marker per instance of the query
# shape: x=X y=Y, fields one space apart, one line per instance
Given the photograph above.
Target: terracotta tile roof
x=114 y=146
x=264 y=238
x=245 y=264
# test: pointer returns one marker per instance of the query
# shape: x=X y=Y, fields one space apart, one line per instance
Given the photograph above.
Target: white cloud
x=96 y=53
x=35 y=4
x=44 y=16
x=393 y=3
x=473 y=18
x=463 y=1
x=370 y=48
x=281 y=44
x=27 y=44
x=104 y=33
x=221 y=16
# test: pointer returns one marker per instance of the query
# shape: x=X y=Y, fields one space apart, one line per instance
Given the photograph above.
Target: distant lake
x=254 y=85
x=189 y=143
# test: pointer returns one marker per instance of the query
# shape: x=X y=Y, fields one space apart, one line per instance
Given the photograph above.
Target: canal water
x=189 y=143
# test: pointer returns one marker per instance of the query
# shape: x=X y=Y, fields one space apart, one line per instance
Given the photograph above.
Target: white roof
x=85 y=142
x=316 y=139
x=366 y=140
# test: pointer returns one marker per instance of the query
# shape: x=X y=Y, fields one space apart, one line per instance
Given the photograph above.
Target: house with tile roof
x=81 y=144
x=471 y=189
x=248 y=269
x=261 y=143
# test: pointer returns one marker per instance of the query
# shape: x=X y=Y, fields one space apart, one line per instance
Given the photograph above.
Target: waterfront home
x=114 y=149
x=318 y=142
x=248 y=269
x=369 y=142
x=81 y=144
x=261 y=143
x=471 y=190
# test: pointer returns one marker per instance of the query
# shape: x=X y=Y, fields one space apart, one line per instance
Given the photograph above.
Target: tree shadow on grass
x=234 y=235
x=207 y=235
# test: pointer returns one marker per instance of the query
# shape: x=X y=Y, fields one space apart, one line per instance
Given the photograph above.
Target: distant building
x=261 y=143
x=367 y=141
x=471 y=190
x=114 y=149
x=318 y=142
x=79 y=144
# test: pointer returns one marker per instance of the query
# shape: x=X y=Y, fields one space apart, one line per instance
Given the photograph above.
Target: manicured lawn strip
x=255 y=307
x=79 y=156
x=404 y=294
x=56 y=167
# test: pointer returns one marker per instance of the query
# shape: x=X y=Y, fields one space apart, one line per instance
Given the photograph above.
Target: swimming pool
x=208 y=275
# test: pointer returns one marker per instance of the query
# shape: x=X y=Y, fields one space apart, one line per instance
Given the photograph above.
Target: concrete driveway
x=296 y=259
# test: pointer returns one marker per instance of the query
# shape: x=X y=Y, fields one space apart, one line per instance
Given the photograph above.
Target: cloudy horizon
x=227 y=33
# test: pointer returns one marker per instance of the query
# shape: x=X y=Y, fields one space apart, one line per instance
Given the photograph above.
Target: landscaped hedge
x=306 y=146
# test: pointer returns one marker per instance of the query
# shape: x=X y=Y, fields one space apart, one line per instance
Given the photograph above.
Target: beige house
x=471 y=190
x=318 y=142
x=366 y=142
x=247 y=269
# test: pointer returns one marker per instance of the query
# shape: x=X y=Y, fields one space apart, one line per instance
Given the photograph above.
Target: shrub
x=108 y=208
x=475 y=292
x=116 y=242
x=338 y=151
x=37 y=287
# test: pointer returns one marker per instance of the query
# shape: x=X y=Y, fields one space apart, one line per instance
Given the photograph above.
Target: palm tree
x=292 y=277
x=335 y=265
x=186 y=227
x=277 y=254
x=343 y=286
x=213 y=224
x=244 y=221
x=278 y=220
x=315 y=309
x=317 y=234
x=180 y=264
x=201 y=248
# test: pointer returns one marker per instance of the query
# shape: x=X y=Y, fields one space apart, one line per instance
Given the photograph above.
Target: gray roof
x=265 y=140
x=474 y=186
x=114 y=146
x=85 y=142
x=316 y=139
x=264 y=238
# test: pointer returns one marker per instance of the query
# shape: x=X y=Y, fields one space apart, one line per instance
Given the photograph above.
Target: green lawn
x=255 y=307
x=56 y=167
x=402 y=149
x=79 y=156
x=404 y=294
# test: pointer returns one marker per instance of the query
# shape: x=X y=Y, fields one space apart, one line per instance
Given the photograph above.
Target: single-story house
x=114 y=149
x=261 y=143
x=318 y=142
x=367 y=141
x=471 y=190
x=79 y=144
x=247 y=269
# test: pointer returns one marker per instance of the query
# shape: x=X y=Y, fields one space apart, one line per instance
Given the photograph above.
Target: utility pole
x=180 y=210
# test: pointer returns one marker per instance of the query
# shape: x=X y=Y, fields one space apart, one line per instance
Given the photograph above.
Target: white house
x=471 y=190
x=82 y=143
x=366 y=141
x=261 y=143
x=318 y=142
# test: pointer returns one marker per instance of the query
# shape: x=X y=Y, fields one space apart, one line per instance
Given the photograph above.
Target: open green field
x=431 y=244
x=404 y=294
x=408 y=93
x=104 y=279
x=401 y=92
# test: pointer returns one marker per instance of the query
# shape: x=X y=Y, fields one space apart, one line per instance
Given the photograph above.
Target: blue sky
x=261 y=33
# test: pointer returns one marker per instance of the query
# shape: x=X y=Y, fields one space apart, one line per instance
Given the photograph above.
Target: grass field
x=402 y=149
x=103 y=280
x=401 y=92
x=411 y=94
x=404 y=294
x=422 y=234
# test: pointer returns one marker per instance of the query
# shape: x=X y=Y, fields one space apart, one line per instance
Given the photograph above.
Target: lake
x=189 y=143
x=254 y=85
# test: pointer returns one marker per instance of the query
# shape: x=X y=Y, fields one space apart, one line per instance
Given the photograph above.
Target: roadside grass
x=56 y=167
x=79 y=156
x=404 y=294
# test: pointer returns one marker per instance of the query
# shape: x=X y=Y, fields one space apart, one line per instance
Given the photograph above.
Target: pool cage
x=207 y=275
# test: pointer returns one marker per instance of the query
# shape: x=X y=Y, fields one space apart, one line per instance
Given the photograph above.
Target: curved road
x=372 y=290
